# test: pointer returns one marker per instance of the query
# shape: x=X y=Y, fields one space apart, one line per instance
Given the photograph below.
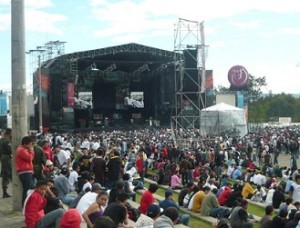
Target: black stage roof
x=126 y=57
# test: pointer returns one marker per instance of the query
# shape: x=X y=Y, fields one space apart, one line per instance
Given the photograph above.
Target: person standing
x=113 y=168
x=99 y=166
x=24 y=165
x=39 y=160
x=5 y=156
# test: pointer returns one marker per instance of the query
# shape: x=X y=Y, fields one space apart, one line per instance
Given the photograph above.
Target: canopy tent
x=221 y=119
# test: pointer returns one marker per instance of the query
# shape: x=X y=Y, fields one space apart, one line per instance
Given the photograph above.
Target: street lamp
x=39 y=51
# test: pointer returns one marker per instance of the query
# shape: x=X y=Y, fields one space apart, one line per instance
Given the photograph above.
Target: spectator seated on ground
x=169 y=202
x=198 y=199
x=118 y=213
x=239 y=216
x=148 y=198
x=34 y=205
x=211 y=207
x=88 y=198
x=266 y=221
x=104 y=221
x=71 y=219
x=278 y=197
x=224 y=195
x=248 y=190
x=176 y=181
x=237 y=173
x=62 y=184
x=279 y=220
x=183 y=192
x=260 y=194
x=148 y=220
x=96 y=209
x=168 y=219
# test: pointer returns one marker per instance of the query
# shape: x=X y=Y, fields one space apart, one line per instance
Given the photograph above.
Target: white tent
x=223 y=119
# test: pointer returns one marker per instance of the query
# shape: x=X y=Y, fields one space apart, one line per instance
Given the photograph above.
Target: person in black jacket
x=234 y=195
x=278 y=197
x=113 y=169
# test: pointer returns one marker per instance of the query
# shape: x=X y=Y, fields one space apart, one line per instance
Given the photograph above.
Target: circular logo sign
x=238 y=76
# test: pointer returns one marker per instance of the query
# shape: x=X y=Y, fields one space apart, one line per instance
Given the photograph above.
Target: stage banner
x=71 y=94
x=240 y=99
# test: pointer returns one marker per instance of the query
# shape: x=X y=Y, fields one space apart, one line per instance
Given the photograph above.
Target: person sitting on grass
x=148 y=198
x=147 y=221
x=169 y=202
x=265 y=221
x=168 y=219
x=176 y=181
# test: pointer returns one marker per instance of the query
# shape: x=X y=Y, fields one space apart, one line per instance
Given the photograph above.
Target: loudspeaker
x=56 y=92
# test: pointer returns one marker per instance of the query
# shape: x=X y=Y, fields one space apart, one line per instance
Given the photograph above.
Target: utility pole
x=19 y=99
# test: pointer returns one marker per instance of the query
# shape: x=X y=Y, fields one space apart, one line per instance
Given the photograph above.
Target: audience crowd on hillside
x=96 y=176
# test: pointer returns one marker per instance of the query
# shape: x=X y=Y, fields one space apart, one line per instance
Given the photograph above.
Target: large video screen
x=135 y=99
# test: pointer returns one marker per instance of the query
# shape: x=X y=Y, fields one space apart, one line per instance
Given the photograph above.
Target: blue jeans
x=68 y=199
x=184 y=219
x=27 y=183
x=51 y=219
x=217 y=212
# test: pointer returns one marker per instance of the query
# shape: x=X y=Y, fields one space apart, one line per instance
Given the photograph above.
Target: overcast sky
x=261 y=35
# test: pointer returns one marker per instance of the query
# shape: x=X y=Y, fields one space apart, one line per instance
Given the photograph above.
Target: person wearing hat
x=145 y=221
x=48 y=170
x=71 y=219
x=34 y=205
x=169 y=202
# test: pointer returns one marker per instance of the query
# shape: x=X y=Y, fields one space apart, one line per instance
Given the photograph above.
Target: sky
x=261 y=35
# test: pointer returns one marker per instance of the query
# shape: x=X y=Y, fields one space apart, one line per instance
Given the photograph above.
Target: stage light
x=94 y=67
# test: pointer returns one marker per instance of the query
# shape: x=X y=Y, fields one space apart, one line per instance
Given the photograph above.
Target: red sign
x=238 y=76
x=71 y=94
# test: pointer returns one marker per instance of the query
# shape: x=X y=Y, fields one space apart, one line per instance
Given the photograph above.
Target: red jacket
x=146 y=200
x=23 y=161
x=224 y=196
x=140 y=165
x=34 y=209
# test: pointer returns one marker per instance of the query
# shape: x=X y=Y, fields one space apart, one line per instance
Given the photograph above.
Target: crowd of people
x=96 y=174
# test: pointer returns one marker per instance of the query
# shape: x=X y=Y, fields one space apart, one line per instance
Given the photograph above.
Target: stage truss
x=188 y=38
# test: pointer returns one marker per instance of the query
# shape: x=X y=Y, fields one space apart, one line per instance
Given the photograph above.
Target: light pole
x=40 y=96
x=39 y=78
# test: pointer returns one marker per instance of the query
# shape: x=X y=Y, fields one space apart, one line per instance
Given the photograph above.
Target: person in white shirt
x=73 y=177
x=295 y=189
x=88 y=198
x=62 y=156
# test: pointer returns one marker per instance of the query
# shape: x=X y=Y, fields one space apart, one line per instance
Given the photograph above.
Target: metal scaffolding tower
x=190 y=53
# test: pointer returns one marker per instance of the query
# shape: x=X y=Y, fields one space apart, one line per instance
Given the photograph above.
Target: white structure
x=223 y=119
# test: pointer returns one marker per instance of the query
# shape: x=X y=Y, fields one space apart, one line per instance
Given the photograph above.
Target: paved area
x=13 y=219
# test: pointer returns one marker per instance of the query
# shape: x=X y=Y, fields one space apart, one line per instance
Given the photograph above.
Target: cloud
x=246 y=25
x=39 y=21
x=36 y=17
x=286 y=75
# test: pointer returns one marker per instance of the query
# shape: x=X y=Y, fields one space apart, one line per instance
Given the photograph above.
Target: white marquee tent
x=222 y=119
